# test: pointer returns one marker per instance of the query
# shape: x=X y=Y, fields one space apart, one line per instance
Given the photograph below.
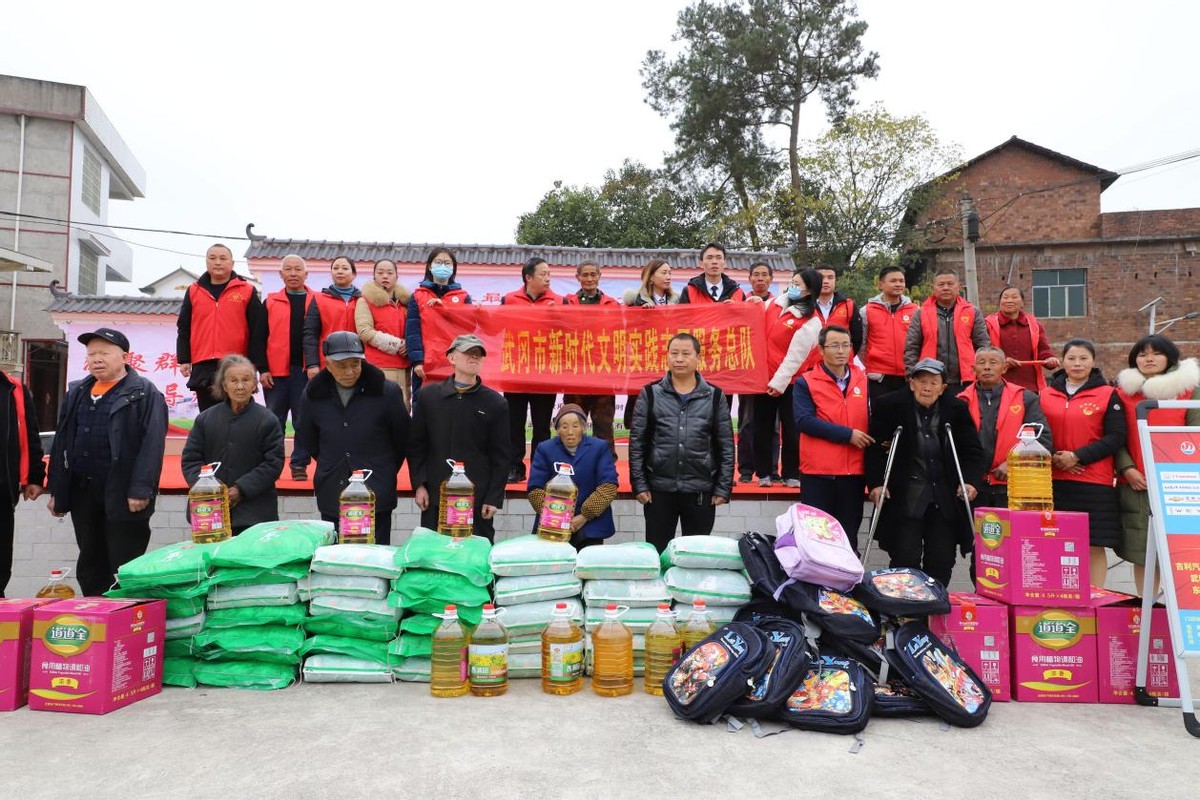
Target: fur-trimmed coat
x=378 y=299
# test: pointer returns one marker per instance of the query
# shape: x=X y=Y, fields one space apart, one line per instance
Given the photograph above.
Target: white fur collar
x=1184 y=378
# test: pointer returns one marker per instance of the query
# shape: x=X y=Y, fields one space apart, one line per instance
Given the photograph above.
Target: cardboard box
x=92 y=655
x=1117 y=630
x=16 y=629
x=977 y=627
x=1033 y=558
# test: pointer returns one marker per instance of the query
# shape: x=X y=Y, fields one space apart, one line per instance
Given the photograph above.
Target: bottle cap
x=699 y=605
x=611 y=607
x=664 y=608
x=489 y=607
x=451 y=609
x=56 y=573
x=560 y=606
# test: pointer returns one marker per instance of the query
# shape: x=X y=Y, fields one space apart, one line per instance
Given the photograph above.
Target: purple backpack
x=811 y=546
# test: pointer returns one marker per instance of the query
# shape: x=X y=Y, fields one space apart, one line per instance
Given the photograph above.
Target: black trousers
x=693 y=511
x=383 y=525
x=840 y=496
x=579 y=541
x=285 y=397
x=601 y=408
x=928 y=543
x=745 y=434
x=766 y=410
x=540 y=407
x=104 y=544
x=483 y=527
x=889 y=384
x=991 y=495
x=7 y=526
x=201 y=382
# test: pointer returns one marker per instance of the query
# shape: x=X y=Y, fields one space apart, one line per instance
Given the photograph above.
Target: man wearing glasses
x=830 y=403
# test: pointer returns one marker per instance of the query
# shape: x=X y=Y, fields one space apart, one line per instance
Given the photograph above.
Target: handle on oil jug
x=366 y=473
x=454 y=465
x=213 y=465
x=1024 y=426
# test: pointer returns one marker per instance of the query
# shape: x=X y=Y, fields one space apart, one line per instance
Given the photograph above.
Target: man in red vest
x=835 y=308
x=999 y=409
x=885 y=321
x=1023 y=340
x=600 y=407
x=221 y=314
x=948 y=329
x=830 y=404
x=284 y=380
x=712 y=285
x=24 y=470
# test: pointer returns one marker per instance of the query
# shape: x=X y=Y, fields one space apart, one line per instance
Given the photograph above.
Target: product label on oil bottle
x=357 y=522
x=557 y=513
x=206 y=515
x=460 y=510
x=488 y=664
x=566 y=661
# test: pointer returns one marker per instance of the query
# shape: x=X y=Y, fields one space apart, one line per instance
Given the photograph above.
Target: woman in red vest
x=333 y=311
x=439 y=287
x=1155 y=373
x=379 y=317
x=1023 y=340
x=1087 y=424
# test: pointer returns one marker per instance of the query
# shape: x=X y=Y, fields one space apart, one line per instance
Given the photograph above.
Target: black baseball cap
x=108 y=335
x=340 y=345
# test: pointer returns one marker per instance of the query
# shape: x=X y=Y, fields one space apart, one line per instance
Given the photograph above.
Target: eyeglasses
x=839 y=346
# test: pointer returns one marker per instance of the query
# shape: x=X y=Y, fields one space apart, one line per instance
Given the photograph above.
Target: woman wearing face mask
x=1087 y=424
x=595 y=476
x=437 y=289
x=655 y=289
x=379 y=318
x=332 y=311
x=1155 y=373
x=245 y=437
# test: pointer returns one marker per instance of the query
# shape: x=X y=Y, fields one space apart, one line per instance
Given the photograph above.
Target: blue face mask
x=441 y=272
x=795 y=293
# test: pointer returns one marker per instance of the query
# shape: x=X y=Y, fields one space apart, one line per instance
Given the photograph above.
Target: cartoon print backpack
x=789 y=660
x=937 y=673
x=903 y=592
x=835 y=696
x=811 y=546
x=836 y=613
x=717 y=671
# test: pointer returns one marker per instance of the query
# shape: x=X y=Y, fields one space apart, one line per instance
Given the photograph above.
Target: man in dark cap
x=106 y=460
x=461 y=420
x=352 y=418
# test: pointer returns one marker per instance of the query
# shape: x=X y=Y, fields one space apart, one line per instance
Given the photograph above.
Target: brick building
x=1084 y=272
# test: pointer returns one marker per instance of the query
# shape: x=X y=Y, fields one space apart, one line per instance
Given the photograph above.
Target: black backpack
x=762 y=565
x=716 y=672
x=897 y=699
x=902 y=592
x=790 y=660
x=869 y=655
x=839 y=614
x=835 y=696
x=937 y=673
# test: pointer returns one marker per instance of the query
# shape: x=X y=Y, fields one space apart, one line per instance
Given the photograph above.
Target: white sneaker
x=765 y=482
x=792 y=483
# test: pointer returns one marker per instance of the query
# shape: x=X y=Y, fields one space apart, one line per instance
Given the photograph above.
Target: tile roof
x=103 y=304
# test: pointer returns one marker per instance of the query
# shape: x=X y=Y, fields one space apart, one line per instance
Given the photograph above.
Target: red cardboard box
x=16 y=627
x=1117 y=630
x=977 y=627
x=1033 y=558
x=92 y=655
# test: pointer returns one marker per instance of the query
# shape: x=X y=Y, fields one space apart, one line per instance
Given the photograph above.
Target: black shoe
x=746 y=477
x=516 y=475
x=299 y=473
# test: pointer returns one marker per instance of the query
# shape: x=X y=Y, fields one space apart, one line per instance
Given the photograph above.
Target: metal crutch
x=961 y=482
x=887 y=473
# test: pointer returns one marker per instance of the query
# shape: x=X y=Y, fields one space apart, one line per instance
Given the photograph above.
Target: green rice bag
x=292 y=615
x=179 y=607
x=180 y=648
x=245 y=674
x=535 y=588
x=529 y=555
x=409 y=645
x=266 y=594
x=717 y=587
x=423 y=624
x=318 y=584
x=335 y=668
x=346 y=646
x=182 y=591
x=247 y=576
x=703 y=552
x=180 y=671
x=358 y=606
x=277 y=643
x=182 y=563
x=428 y=591
x=184 y=627
x=430 y=550
x=373 y=560
x=272 y=544
x=633 y=560
x=338 y=624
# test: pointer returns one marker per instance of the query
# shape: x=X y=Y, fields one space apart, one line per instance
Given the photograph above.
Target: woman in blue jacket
x=595 y=476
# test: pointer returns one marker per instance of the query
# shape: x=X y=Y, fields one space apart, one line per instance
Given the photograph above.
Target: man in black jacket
x=106 y=460
x=24 y=472
x=924 y=517
x=352 y=418
x=460 y=419
x=681 y=448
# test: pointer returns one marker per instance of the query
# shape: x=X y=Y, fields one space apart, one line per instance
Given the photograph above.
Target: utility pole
x=970 y=226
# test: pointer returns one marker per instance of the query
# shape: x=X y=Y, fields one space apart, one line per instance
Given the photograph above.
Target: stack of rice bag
x=438 y=570
x=350 y=622
x=707 y=568
x=532 y=576
x=628 y=575
x=252 y=632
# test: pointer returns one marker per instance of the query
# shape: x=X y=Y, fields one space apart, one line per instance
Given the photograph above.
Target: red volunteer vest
x=572 y=299
x=1078 y=421
x=821 y=456
x=1008 y=422
x=336 y=315
x=1159 y=416
x=781 y=327
x=387 y=319
x=992 y=321
x=520 y=298
x=963 y=321
x=840 y=314
x=885 y=337
x=424 y=294
x=22 y=428
x=219 y=327
x=279 y=330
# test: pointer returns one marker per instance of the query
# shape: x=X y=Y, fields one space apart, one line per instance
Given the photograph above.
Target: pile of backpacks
x=823 y=646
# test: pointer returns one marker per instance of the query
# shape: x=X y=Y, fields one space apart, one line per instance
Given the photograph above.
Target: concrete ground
x=333 y=741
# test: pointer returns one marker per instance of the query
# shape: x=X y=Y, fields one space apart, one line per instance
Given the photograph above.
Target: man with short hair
x=22 y=469
x=352 y=418
x=681 y=448
x=107 y=459
x=284 y=380
x=835 y=308
x=885 y=321
x=712 y=285
x=221 y=313
x=831 y=412
x=761 y=275
x=600 y=407
x=949 y=329
x=460 y=419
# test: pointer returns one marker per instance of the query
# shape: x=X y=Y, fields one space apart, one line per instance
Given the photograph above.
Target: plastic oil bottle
x=456 y=509
x=208 y=507
x=562 y=654
x=698 y=626
x=487 y=656
x=1029 y=473
x=57 y=587
x=612 y=667
x=558 y=507
x=356 y=510
x=664 y=646
x=448 y=662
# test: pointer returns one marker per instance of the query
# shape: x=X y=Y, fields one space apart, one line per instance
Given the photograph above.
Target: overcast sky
x=427 y=122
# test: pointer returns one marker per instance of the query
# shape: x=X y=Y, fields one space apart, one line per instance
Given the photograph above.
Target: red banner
x=599 y=350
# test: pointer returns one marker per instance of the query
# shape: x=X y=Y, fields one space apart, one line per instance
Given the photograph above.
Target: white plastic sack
x=529 y=555
x=717 y=615
x=530 y=619
x=534 y=588
x=635 y=594
x=413 y=670
x=373 y=560
x=524 y=665
x=717 y=587
x=319 y=584
x=331 y=668
x=636 y=619
x=525 y=646
x=633 y=560
x=704 y=552
x=260 y=594
x=184 y=627
x=361 y=607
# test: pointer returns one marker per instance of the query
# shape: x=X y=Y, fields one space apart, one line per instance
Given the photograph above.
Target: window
x=91 y=181
x=1060 y=293
x=89 y=271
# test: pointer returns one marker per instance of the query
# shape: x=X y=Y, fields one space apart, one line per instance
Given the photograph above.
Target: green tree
x=567 y=216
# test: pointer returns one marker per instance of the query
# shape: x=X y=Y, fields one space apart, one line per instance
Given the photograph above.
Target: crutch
x=961 y=482
x=887 y=473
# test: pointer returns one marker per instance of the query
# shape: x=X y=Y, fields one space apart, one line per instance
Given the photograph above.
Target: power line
x=77 y=224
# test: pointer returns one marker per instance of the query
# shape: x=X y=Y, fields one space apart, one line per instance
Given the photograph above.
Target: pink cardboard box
x=1117 y=630
x=16 y=627
x=977 y=627
x=1035 y=558
x=92 y=655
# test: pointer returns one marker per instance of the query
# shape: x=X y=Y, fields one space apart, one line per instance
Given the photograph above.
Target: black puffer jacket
x=687 y=446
